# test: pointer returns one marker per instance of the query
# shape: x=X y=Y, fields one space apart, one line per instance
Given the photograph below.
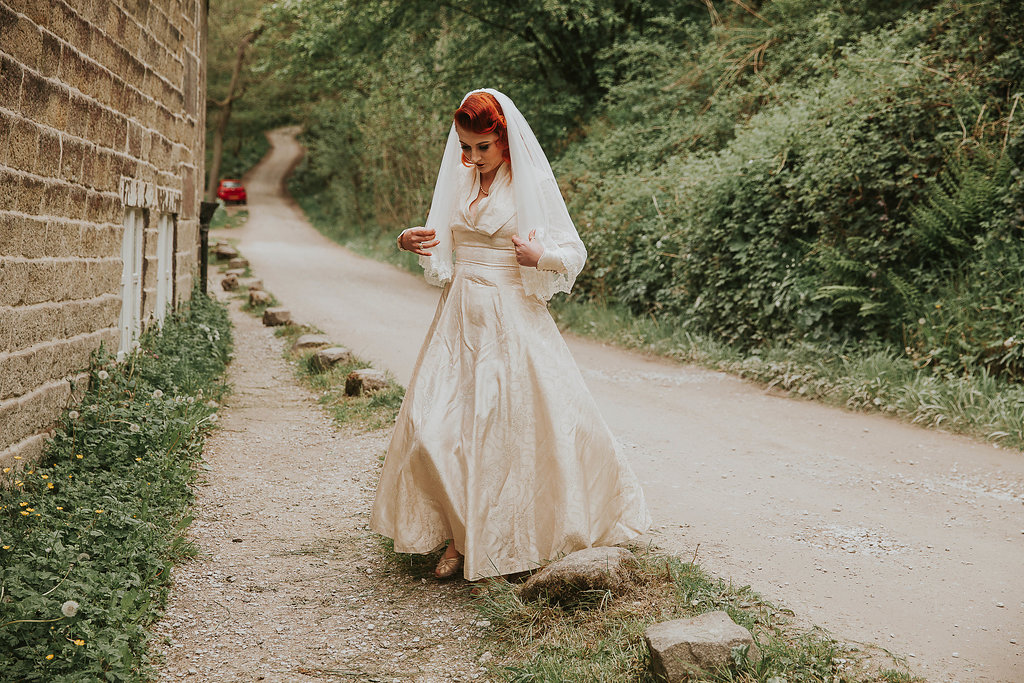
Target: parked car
x=231 y=191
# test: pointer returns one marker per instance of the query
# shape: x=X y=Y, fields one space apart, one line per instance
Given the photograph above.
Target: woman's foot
x=449 y=563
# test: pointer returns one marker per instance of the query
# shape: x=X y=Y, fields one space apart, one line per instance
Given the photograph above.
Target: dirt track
x=879 y=531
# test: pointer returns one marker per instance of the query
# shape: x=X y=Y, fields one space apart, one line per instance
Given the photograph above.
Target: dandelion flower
x=6 y=470
x=158 y=394
x=49 y=485
x=59 y=507
x=134 y=428
x=45 y=476
x=138 y=459
x=103 y=374
x=99 y=512
x=73 y=414
x=7 y=547
x=69 y=608
x=22 y=504
x=79 y=456
x=212 y=404
x=49 y=657
x=78 y=641
x=25 y=512
x=213 y=418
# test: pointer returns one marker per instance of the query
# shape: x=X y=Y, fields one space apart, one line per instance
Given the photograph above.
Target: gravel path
x=289 y=584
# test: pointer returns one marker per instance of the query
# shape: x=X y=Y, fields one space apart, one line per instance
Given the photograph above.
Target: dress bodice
x=483 y=235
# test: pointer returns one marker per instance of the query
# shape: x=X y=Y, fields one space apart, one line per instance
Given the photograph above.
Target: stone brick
x=28 y=196
x=33 y=237
x=24 y=41
x=55 y=199
x=116 y=24
x=30 y=414
x=49 y=157
x=79 y=109
x=11 y=231
x=6 y=124
x=10 y=82
x=24 y=370
x=24 y=452
x=49 y=60
x=69 y=26
x=71 y=159
x=100 y=240
x=24 y=326
x=14 y=275
x=36 y=10
x=62 y=239
x=44 y=101
x=24 y=144
x=76 y=202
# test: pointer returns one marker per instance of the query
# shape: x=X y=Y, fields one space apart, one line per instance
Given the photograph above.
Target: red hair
x=481 y=114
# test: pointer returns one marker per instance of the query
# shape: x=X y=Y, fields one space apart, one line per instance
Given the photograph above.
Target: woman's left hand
x=529 y=251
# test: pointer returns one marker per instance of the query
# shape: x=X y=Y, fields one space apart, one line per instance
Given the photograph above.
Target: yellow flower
x=6 y=470
x=7 y=547
x=49 y=485
x=49 y=657
x=17 y=457
x=138 y=459
x=79 y=456
x=22 y=504
x=24 y=512
x=31 y=509
x=31 y=471
x=46 y=476
x=79 y=642
x=59 y=507
x=99 y=512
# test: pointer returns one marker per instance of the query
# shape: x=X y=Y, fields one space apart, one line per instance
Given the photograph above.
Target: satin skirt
x=499 y=445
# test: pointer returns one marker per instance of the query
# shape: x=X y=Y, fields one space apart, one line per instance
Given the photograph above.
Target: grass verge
x=89 y=534
x=601 y=638
x=222 y=218
x=864 y=379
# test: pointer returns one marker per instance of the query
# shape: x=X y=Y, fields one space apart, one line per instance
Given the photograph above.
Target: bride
x=499 y=448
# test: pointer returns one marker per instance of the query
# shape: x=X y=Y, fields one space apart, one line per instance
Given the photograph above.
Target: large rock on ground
x=224 y=252
x=590 y=569
x=361 y=382
x=324 y=359
x=257 y=297
x=238 y=262
x=272 y=317
x=310 y=341
x=251 y=283
x=683 y=648
x=229 y=283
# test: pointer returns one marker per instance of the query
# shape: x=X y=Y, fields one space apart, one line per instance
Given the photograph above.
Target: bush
x=90 y=533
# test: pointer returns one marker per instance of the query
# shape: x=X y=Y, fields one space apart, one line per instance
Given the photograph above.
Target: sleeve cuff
x=549 y=260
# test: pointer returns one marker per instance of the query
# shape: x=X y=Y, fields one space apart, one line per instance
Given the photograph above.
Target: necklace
x=483 y=191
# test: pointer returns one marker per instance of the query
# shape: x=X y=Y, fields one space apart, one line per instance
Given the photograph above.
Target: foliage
x=762 y=173
x=99 y=521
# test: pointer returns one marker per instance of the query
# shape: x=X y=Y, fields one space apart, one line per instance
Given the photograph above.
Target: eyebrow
x=487 y=142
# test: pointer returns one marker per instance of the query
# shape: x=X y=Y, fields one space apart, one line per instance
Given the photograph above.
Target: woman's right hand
x=418 y=240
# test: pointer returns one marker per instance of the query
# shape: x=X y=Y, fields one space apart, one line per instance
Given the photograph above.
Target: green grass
x=376 y=410
x=866 y=379
x=223 y=219
x=602 y=638
x=99 y=521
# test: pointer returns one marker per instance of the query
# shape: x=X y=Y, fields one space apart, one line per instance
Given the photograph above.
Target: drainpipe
x=206 y=210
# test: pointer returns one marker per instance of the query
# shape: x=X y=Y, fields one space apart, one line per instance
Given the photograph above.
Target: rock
x=590 y=569
x=325 y=359
x=683 y=648
x=237 y=272
x=251 y=283
x=229 y=283
x=365 y=381
x=257 y=297
x=273 y=317
x=225 y=251
x=238 y=262
x=310 y=341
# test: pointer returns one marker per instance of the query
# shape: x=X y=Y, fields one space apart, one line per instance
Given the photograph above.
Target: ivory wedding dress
x=499 y=445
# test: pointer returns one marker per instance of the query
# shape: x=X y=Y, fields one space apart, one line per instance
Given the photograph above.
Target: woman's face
x=481 y=150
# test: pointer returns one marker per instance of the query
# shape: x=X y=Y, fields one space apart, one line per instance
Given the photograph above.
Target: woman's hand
x=418 y=240
x=528 y=252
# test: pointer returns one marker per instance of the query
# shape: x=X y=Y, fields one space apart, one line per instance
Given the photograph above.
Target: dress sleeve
x=564 y=254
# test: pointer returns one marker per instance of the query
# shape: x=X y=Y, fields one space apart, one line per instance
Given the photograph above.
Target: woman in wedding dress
x=499 y=448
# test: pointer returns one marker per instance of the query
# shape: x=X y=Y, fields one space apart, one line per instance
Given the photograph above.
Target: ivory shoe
x=447 y=566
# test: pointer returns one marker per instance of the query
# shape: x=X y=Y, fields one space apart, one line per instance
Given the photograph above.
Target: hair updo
x=481 y=114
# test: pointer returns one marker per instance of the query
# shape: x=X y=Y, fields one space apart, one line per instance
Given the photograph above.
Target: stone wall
x=102 y=107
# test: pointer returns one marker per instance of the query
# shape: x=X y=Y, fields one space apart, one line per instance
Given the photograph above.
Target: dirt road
x=879 y=531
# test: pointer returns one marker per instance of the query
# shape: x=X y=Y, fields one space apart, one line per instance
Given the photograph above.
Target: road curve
x=879 y=531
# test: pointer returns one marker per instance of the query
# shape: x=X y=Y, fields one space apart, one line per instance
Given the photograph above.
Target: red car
x=231 y=191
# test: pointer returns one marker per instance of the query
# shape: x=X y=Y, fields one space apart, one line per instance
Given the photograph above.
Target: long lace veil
x=539 y=206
